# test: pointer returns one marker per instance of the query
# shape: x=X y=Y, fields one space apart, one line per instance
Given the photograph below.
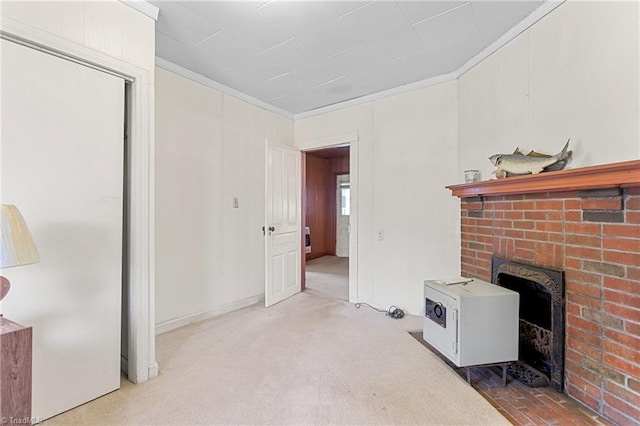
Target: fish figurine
x=534 y=162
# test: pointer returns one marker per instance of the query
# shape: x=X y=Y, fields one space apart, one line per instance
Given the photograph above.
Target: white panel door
x=62 y=165
x=282 y=223
x=343 y=213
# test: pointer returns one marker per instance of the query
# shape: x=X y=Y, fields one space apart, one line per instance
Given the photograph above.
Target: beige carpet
x=329 y=276
x=308 y=360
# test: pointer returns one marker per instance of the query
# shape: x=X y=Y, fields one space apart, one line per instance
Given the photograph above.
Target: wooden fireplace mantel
x=614 y=175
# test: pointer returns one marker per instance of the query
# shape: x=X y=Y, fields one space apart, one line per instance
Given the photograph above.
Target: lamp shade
x=16 y=245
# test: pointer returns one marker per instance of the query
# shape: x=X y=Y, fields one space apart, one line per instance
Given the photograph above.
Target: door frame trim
x=142 y=364
x=346 y=139
x=336 y=195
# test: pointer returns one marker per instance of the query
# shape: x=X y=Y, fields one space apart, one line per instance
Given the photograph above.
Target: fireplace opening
x=534 y=346
x=541 y=323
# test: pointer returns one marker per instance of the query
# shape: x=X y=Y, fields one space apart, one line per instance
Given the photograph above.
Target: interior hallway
x=328 y=276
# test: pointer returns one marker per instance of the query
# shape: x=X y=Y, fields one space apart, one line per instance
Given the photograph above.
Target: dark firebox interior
x=535 y=321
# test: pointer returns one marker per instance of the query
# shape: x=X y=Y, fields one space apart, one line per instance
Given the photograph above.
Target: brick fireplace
x=585 y=222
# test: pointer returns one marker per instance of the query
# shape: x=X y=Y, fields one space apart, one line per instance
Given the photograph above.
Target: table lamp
x=16 y=245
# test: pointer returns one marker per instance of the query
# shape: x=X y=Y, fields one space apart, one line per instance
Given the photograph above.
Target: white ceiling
x=302 y=55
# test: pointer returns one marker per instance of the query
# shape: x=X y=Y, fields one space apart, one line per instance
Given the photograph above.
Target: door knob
x=270 y=229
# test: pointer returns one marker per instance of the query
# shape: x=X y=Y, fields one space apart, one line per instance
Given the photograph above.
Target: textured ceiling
x=302 y=55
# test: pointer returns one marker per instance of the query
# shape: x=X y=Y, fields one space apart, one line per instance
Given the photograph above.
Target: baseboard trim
x=153 y=370
x=163 y=327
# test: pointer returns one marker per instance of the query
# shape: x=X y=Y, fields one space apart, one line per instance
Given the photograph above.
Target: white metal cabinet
x=471 y=323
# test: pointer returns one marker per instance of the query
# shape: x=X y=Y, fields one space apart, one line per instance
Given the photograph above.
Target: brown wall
x=320 y=207
x=595 y=239
x=316 y=204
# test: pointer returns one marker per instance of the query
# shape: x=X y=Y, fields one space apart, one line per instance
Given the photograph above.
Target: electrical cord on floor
x=393 y=311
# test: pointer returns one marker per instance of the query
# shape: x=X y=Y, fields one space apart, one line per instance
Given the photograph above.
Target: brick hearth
x=594 y=236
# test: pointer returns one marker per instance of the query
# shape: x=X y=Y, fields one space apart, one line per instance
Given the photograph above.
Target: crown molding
x=205 y=81
x=143 y=7
x=522 y=26
x=528 y=22
x=379 y=95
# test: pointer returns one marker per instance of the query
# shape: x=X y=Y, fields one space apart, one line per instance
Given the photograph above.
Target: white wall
x=209 y=149
x=415 y=157
x=188 y=195
x=407 y=147
x=245 y=129
x=574 y=75
x=107 y=26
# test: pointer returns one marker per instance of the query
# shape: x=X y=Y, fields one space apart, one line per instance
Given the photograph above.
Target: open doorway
x=327 y=199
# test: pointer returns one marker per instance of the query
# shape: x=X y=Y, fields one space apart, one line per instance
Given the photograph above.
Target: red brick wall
x=594 y=236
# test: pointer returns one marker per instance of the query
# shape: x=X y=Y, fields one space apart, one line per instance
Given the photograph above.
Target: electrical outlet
x=236 y=203
x=380 y=235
